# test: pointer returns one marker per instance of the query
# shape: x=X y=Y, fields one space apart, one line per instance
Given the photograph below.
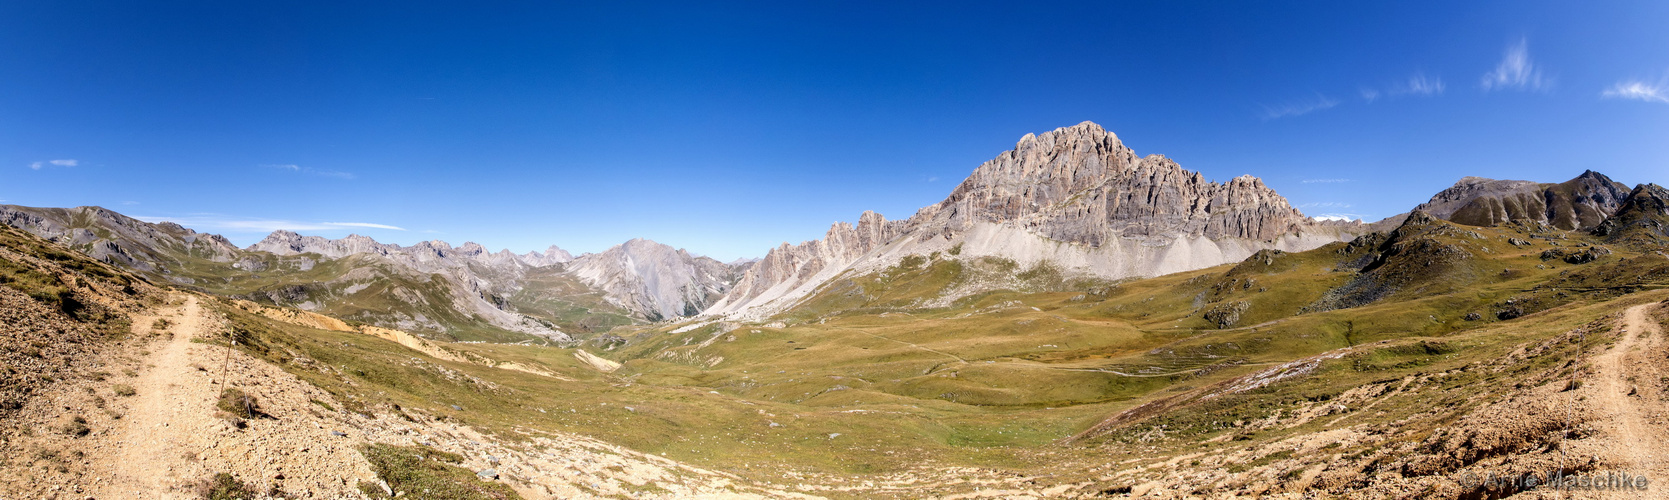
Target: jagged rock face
x=428 y=255
x=1076 y=196
x=1082 y=185
x=550 y=257
x=116 y=238
x=791 y=266
x=1582 y=202
x=1643 y=218
x=656 y=280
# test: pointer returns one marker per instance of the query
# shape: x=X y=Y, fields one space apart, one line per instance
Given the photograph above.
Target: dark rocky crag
x=1579 y=203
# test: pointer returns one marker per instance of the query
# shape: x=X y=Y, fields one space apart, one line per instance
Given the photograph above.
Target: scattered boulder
x=1575 y=256
x=1227 y=314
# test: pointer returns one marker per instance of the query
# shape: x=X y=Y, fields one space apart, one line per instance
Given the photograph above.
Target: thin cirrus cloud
x=312 y=171
x=1417 y=85
x=1299 y=107
x=53 y=163
x=1324 y=181
x=215 y=223
x=1639 y=90
x=1325 y=204
x=1516 y=71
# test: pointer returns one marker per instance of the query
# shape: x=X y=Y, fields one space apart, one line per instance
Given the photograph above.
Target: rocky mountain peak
x=1082 y=185
x=654 y=279
x=1077 y=185
x=1642 y=218
x=1582 y=202
x=116 y=238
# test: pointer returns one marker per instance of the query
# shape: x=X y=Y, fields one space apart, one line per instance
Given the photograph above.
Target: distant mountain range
x=1075 y=198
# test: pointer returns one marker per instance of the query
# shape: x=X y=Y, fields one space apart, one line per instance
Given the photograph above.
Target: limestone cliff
x=1074 y=196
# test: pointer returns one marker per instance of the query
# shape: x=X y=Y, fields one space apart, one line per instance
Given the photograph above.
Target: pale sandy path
x=1637 y=445
x=148 y=461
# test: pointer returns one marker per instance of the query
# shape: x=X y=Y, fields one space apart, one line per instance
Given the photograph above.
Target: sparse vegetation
x=224 y=486
x=235 y=402
x=123 y=390
x=424 y=472
x=76 y=426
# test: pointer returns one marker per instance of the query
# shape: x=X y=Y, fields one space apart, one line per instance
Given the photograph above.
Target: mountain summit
x=1075 y=197
x=1582 y=202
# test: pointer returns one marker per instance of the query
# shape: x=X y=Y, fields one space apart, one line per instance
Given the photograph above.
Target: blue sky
x=729 y=129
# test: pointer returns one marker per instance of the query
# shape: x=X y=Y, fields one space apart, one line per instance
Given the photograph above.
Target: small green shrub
x=77 y=426
x=235 y=402
x=124 y=390
x=225 y=487
x=425 y=470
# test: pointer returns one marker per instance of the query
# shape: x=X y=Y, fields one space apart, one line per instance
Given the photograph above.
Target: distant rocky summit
x=1578 y=203
x=657 y=280
x=1074 y=196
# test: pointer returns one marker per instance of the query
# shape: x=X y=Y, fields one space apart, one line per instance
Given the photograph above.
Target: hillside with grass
x=363 y=287
x=1407 y=362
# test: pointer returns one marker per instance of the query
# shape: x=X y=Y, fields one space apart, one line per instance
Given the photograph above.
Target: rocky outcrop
x=1583 y=202
x=655 y=280
x=115 y=238
x=790 y=267
x=429 y=256
x=1074 y=196
x=1082 y=185
x=1642 y=220
x=550 y=257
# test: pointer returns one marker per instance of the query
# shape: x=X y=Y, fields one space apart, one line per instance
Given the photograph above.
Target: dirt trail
x=1631 y=415
x=171 y=437
x=148 y=461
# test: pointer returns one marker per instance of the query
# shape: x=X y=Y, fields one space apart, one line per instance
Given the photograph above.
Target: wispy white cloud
x=363 y=224
x=312 y=171
x=53 y=163
x=1516 y=71
x=216 y=223
x=1419 y=84
x=1324 y=181
x=1325 y=204
x=1299 y=107
x=1639 y=90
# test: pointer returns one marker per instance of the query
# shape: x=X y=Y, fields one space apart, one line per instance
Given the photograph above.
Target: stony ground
x=153 y=431
x=138 y=419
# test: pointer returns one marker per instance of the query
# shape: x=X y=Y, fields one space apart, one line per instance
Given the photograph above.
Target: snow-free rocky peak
x=1074 y=196
x=1577 y=203
x=656 y=280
